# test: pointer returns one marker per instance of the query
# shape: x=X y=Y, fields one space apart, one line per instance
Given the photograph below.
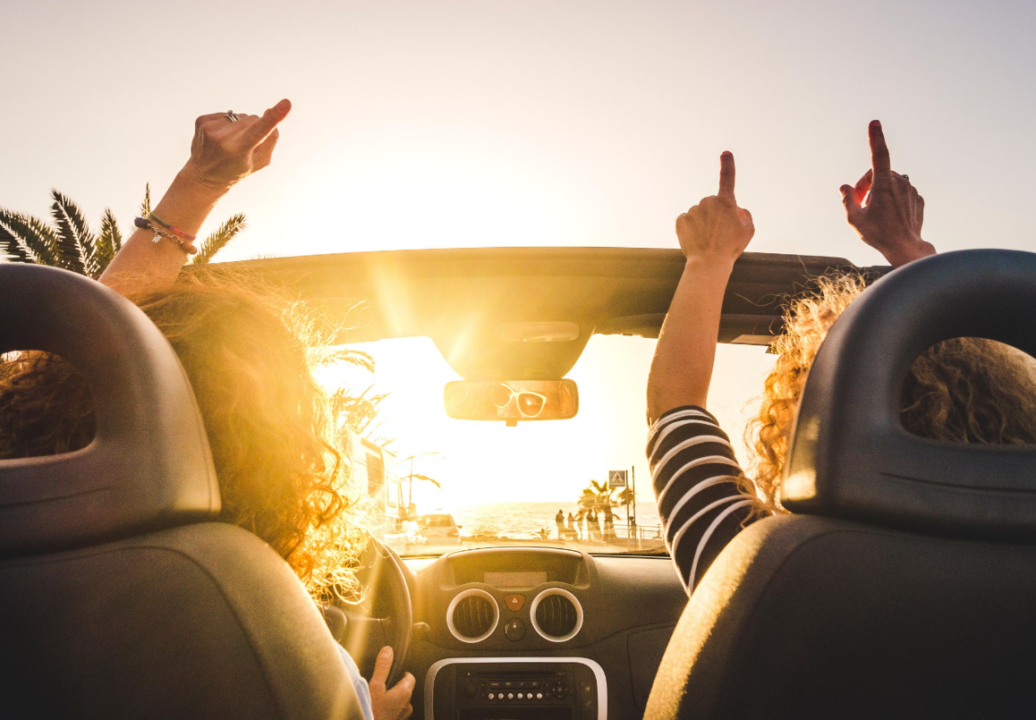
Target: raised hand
x=224 y=152
x=391 y=704
x=890 y=218
x=716 y=229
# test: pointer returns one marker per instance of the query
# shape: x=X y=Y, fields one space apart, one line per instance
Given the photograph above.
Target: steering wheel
x=386 y=615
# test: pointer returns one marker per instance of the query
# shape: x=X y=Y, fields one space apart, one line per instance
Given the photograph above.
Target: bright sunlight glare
x=390 y=190
x=479 y=461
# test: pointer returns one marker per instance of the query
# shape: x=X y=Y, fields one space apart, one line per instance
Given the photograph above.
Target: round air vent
x=472 y=616
x=556 y=615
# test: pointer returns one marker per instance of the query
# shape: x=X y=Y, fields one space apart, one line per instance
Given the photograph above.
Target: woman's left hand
x=716 y=229
x=225 y=151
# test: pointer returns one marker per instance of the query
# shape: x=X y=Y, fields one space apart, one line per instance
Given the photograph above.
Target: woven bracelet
x=160 y=232
x=175 y=231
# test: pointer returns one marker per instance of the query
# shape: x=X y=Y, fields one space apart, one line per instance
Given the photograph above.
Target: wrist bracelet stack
x=163 y=229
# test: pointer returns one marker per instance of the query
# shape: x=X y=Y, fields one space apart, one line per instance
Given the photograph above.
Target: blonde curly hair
x=961 y=390
x=280 y=457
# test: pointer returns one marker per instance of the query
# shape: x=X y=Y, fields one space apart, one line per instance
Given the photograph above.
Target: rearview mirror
x=512 y=400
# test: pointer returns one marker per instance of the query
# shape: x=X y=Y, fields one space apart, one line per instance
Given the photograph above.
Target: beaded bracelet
x=170 y=228
x=146 y=224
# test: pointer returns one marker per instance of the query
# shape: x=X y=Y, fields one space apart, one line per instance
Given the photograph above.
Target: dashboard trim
x=598 y=671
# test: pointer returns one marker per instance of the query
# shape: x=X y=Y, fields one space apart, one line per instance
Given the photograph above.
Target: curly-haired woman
x=962 y=390
x=250 y=354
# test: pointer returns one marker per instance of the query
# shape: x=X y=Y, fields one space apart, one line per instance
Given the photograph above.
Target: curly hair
x=250 y=354
x=961 y=390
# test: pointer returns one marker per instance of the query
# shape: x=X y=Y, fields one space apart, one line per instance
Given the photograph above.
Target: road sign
x=617 y=478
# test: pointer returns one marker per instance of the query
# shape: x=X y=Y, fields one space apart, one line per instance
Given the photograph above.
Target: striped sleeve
x=695 y=477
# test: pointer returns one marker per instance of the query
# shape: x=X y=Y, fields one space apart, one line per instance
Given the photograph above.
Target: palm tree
x=597 y=498
x=411 y=476
x=70 y=243
x=626 y=498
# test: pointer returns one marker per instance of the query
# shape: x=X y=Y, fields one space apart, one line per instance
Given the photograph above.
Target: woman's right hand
x=391 y=704
x=891 y=220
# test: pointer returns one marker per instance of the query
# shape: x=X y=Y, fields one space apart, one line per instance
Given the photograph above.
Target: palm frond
x=419 y=476
x=35 y=236
x=108 y=241
x=356 y=413
x=10 y=245
x=75 y=243
x=218 y=240
x=145 y=207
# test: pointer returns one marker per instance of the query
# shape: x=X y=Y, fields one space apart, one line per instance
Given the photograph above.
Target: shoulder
x=684 y=427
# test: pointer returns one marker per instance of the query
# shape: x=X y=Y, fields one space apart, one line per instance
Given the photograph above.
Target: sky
x=448 y=124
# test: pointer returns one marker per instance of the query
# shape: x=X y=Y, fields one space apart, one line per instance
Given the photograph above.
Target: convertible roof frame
x=461 y=297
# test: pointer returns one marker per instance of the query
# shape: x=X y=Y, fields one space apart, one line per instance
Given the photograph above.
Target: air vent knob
x=514 y=630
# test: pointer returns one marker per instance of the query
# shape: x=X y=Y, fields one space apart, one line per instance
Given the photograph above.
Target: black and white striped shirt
x=696 y=476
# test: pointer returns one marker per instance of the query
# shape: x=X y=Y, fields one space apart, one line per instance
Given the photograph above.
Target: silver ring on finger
x=904 y=176
x=232 y=116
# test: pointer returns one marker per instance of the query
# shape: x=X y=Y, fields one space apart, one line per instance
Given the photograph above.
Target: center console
x=516 y=688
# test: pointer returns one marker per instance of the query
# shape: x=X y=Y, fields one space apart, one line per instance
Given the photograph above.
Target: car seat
x=903 y=584
x=120 y=596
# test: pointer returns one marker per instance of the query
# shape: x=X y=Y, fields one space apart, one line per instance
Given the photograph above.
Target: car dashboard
x=521 y=632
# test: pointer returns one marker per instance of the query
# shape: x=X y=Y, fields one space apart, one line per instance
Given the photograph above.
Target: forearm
x=902 y=255
x=142 y=262
x=681 y=370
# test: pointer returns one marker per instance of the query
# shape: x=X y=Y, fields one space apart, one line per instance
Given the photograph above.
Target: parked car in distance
x=438 y=528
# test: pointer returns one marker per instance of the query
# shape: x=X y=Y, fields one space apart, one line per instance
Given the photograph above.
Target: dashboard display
x=515 y=579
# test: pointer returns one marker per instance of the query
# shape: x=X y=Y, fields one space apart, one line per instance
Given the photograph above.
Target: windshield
x=481 y=483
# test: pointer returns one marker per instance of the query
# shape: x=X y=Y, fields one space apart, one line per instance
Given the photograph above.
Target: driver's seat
x=904 y=583
x=120 y=597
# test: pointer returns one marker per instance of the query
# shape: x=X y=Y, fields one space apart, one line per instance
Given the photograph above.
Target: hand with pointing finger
x=716 y=229
x=889 y=219
x=225 y=151
x=712 y=235
x=391 y=704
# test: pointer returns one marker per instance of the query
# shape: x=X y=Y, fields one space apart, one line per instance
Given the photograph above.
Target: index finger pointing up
x=880 y=160
x=726 y=175
x=265 y=125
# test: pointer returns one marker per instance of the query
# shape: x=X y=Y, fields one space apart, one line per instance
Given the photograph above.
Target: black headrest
x=850 y=456
x=149 y=464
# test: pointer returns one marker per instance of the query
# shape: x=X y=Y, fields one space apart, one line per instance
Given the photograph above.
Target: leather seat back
x=904 y=583
x=119 y=597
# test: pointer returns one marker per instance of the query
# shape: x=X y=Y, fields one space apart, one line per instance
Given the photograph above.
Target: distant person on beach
x=572 y=525
x=559 y=520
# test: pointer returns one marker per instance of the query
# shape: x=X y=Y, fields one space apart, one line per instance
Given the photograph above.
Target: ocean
x=523 y=520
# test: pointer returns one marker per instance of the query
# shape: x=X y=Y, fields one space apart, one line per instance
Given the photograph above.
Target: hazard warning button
x=514 y=602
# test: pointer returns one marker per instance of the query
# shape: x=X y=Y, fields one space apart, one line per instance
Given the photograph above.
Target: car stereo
x=515 y=689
